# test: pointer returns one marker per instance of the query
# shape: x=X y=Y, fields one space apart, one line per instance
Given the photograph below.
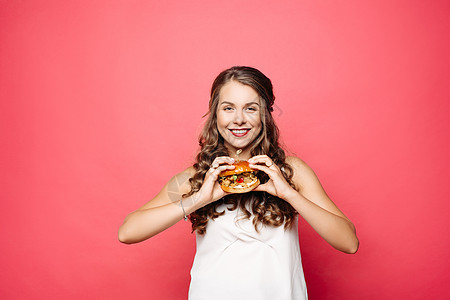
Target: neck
x=239 y=154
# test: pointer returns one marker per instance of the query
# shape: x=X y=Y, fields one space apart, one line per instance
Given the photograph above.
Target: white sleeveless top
x=234 y=262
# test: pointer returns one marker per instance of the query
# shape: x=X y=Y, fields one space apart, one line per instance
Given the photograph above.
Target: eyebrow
x=249 y=103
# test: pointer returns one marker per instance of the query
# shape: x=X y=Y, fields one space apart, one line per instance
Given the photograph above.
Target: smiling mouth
x=239 y=132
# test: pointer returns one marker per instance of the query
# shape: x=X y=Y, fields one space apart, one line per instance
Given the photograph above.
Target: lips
x=239 y=132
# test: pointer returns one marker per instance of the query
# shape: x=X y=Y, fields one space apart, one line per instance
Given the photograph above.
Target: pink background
x=101 y=103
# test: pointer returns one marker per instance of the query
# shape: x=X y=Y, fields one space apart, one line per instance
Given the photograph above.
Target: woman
x=247 y=244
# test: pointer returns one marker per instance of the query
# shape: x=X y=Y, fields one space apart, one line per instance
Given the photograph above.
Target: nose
x=239 y=117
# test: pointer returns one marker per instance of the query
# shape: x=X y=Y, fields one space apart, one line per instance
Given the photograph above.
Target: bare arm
x=314 y=205
x=164 y=210
x=311 y=202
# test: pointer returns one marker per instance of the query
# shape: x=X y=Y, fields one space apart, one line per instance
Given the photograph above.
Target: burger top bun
x=241 y=166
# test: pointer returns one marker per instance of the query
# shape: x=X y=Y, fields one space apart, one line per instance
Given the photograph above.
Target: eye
x=228 y=108
x=252 y=108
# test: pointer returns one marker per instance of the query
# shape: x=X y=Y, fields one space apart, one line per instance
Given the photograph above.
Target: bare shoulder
x=179 y=183
x=310 y=187
x=188 y=171
x=296 y=162
x=302 y=172
x=173 y=189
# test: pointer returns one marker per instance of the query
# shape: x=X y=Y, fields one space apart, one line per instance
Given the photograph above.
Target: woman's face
x=238 y=115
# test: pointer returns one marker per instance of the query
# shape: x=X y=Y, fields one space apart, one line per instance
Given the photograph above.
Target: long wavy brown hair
x=266 y=209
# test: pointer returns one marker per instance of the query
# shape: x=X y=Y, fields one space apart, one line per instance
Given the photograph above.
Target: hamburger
x=241 y=179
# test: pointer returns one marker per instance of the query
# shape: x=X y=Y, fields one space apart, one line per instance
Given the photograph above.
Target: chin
x=237 y=143
x=238 y=146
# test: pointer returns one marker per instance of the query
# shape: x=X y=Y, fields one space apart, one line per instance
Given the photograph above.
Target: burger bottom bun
x=240 y=190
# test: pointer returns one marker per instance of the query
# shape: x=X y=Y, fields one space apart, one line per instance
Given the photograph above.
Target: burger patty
x=243 y=179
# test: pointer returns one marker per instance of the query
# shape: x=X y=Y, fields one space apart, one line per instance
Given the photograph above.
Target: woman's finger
x=263 y=168
x=267 y=187
x=261 y=159
x=216 y=171
x=221 y=160
x=259 y=156
x=260 y=188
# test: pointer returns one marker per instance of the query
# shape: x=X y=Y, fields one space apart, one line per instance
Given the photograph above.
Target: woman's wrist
x=291 y=195
x=191 y=203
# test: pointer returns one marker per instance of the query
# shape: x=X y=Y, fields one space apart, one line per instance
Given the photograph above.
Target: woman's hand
x=211 y=190
x=277 y=184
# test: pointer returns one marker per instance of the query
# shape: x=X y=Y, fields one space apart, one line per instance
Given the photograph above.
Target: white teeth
x=239 y=131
